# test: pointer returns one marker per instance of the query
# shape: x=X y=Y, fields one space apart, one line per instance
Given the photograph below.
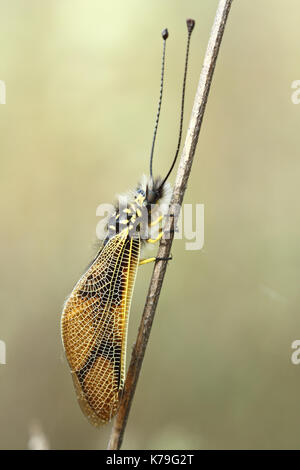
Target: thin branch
x=165 y=245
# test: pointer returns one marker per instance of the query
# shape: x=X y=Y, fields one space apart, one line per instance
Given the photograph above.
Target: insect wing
x=94 y=327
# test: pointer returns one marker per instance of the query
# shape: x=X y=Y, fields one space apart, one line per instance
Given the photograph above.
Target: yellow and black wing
x=94 y=327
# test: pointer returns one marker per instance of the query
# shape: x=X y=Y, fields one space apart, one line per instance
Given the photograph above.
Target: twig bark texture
x=160 y=267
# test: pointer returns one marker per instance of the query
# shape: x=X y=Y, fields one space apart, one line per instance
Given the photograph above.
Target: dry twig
x=165 y=245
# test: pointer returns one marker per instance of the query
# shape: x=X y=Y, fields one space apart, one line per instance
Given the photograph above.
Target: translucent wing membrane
x=94 y=327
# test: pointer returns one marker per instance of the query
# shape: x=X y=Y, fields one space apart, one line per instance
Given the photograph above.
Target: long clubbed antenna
x=165 y=35
x=190 y=26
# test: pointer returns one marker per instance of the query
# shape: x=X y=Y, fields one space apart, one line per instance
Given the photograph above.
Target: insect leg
x=154 y=240
x=150 y=260
x=146 y=261
x=155 y=222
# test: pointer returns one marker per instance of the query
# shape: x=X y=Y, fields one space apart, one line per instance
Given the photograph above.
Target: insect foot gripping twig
x=177 y=198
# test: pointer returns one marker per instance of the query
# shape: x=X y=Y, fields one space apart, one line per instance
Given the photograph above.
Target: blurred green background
x=82 y=82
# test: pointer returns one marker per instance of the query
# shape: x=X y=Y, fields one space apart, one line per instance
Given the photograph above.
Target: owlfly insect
x=95 y=315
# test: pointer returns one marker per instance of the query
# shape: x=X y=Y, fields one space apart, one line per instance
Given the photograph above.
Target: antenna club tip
x=190 y=24
x=165 y=34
